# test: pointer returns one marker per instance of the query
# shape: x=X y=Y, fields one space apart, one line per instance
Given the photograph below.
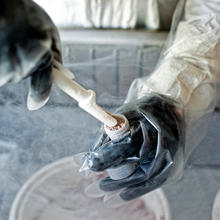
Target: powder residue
x=61 y=195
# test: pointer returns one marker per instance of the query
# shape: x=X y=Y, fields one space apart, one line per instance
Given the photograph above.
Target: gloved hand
x=29 y=44
x=155 y=144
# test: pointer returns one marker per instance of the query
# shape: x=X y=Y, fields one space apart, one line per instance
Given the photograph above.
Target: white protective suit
x=162 y=136
x=189 y=68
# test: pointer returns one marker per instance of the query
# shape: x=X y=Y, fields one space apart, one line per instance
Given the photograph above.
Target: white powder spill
x=57 y=193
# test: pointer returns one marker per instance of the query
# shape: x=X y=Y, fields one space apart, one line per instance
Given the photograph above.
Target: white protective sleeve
x=189 y=69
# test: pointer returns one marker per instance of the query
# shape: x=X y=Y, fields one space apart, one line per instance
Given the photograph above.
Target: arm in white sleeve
x=189 y=70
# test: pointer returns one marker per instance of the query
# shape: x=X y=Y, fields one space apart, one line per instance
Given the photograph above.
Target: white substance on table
x=57 y=192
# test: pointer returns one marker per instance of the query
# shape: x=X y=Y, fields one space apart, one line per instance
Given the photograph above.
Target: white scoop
x=115 y=126
x=85 y=98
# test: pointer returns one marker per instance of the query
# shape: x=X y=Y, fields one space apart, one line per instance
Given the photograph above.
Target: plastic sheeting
x=153 y=14
x=95 y=13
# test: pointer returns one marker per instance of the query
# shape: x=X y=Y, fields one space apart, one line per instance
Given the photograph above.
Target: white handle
x=85 y=98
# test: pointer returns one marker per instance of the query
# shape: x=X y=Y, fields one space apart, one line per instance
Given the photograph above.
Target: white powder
x=58 y=194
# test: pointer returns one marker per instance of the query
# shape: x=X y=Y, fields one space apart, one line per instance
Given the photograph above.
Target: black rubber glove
x=29 y=44
x=155 y=144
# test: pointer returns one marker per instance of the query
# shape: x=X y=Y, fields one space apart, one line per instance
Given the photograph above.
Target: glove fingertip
x=36 y=103
x=40 y=86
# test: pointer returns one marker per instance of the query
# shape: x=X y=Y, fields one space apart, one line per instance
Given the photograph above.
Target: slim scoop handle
x=85 y=98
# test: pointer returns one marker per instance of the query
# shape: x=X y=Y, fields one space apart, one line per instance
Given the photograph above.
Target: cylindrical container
x=57 y=192
x=115 y=133
x=120 y=129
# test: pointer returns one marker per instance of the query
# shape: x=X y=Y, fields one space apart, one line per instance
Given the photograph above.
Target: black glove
x=155 y=144
x=29 y=44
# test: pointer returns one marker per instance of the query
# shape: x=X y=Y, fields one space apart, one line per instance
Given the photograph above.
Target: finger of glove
x=108 y=155
x=149 y=141
x=40 y=86
x=137 y=190
x=117 y=198
x=131 y=193
x=161 y=162
x=110 y=185
x=163 y=120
